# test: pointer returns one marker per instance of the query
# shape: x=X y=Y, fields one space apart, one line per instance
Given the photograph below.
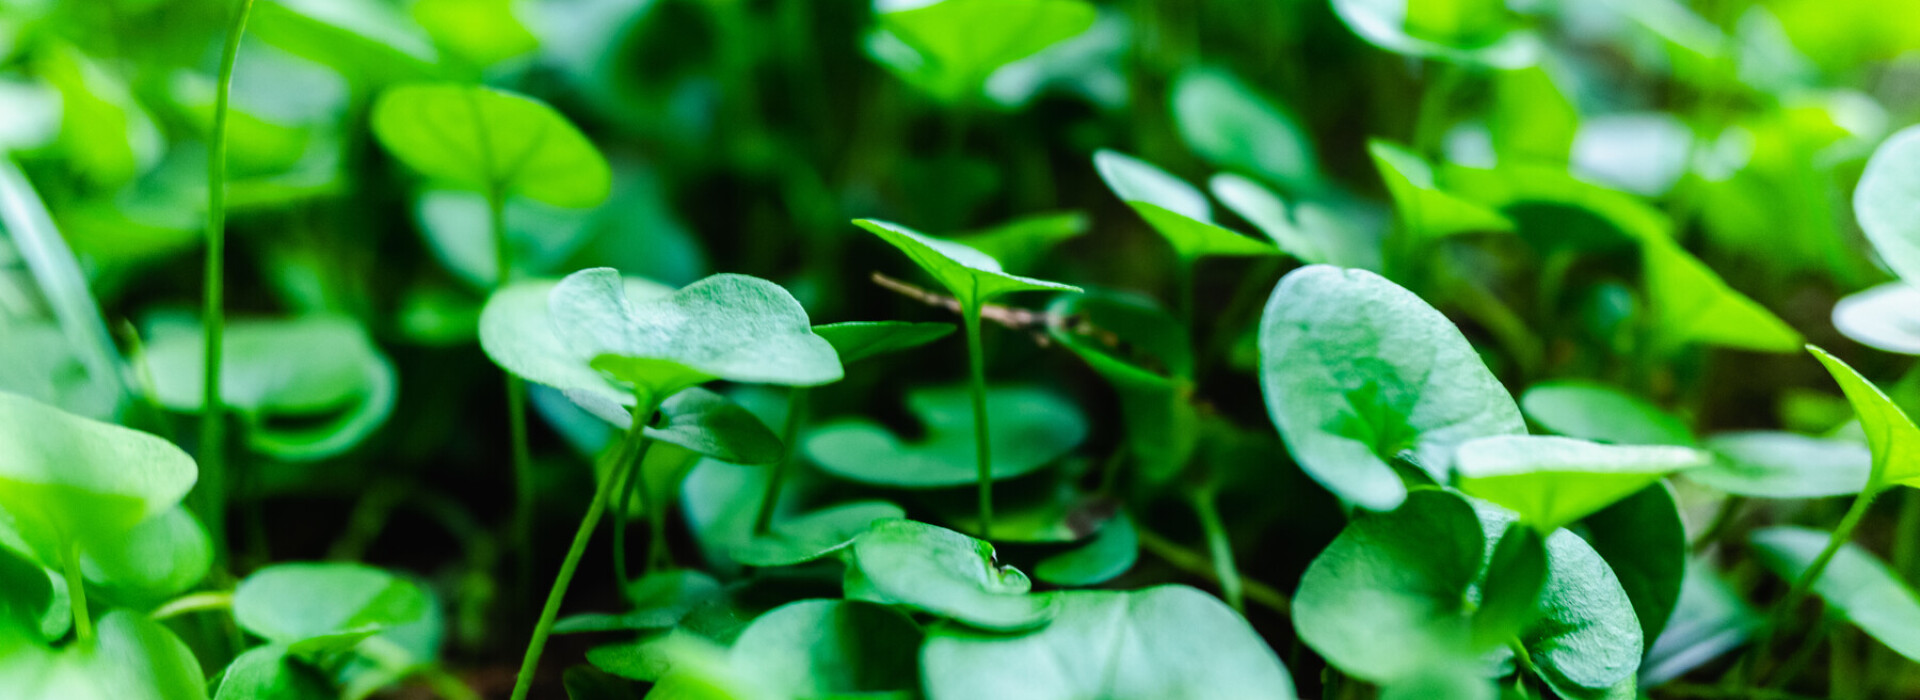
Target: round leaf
x=1885 y=318
x=269 y=673
x=1031 y=429
x=1233 y=127
x=1358 y=371
x=1474 y=32
x=517 y=333
x=159 y=558
x=1553 y=481
x=318 y=608
x=1644 y=542
x=1112 y=551
x=712 y=425
x=67 y=480
x=942 y=572
x=1592 y=411
x=1886 y=202
x=490 y=139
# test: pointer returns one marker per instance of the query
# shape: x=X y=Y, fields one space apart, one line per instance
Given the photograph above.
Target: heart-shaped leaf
x=1226 y=122
x=957 y=44
x=321 y=373
x=1111 y=552
x=969 y=275
x=1855 y=583
x=1888 y=195
x=1644 y=542
x=1885 y=318
x=829 y=648
x=1468 y=32
x=1358 y=371
x=271 y=672
x=316 y=609
x=67 y=481
x=814 y=535
x=1764 y=464
x=859 y=340
x=944 y=573
x=1891 y=435
x=1426 y=211
x=1691 y=304
x=1174 y=208
x=1161 y=642
x=1147 y=357
x=1034 y=428
x=1554 y=481
x=732 y=327
x=493 y=141
x=1593 y=411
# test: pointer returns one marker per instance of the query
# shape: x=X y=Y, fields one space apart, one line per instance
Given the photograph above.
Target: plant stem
x=193 y=602
x=636 y=438
x=983 y=451
x=629 y=478
x=1803 y=585
x=1220 y=549
x=213 y=462
x=796 y=405
x=523 y=496
x=1196 y=564
x=77 y=593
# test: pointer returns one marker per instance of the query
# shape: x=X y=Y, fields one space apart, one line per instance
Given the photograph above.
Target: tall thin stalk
x=1803 y=585
x=626 y=460
x=523 y=502
x=796 y=405
x=1220 y=549
x=77 y=593
x=983 y=450
x=213 y=453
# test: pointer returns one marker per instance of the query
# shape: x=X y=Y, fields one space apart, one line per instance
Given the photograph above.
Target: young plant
x=1180 y=213
x=596 y=340
x=500 y=143
x=974 y=279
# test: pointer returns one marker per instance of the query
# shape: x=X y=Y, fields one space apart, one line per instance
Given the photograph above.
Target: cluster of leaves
x=1533 y=408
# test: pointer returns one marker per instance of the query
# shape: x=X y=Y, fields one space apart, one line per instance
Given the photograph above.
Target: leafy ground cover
x=768 y=349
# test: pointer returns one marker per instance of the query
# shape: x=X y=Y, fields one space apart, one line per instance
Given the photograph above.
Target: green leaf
x=1644 y=542
x=1304 y=231
x=859 y=340
x=483 y=32
x=969 y=275
x=271 y=673
x=1691 y=304
x=1785 y=465
x=1515 y=578
x=517 y=333
x=1232 y=126
x=1427 y=211
x=1554 y=481
x=1885 y=318
x=160 y=558
x=1469 y=32
x=366 y=40
x=959 y=43
x=1532 y=118
x=1710 y=619
x=1147 y=357
x=1158 y=643
x=1891 y=435
x=306 y=388
x=1455 y=682
x=1021 y=242
x=710 y=424
x=1358 y=371
x=1855 y=584
x=26 y=593
x=135 y=658
x=732 y=327
x=589 y=683
x=829 y=648
x=315 y=609
x=944 y=573
x=1032 y=428
x=814 y=535
x=1888 y=194
x=540 y=237
x=489 y=139
x=1389 y=595
x=1174 y=208
x=1593 y=411
x=660 y=600
x=1111 y=552
x=68 y=481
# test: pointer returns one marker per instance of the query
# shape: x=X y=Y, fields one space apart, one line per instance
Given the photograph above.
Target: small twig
x=1034 y=323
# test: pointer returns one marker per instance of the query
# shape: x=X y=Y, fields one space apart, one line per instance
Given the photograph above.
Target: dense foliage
x=766 y=349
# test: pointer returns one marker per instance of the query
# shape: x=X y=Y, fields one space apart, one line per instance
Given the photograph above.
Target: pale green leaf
x=68 y=481
x=944 y=573
x=1554 y=481
x=1891 y=435
x=491 y=140
x=971 y=276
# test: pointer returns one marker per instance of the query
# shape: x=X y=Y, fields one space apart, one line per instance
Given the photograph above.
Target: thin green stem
x=977 y=361
x=77 y=593
x=635 y=439
x=192 y=603
x=1804 y=584
x=212 y=495
x=1220 y=550
x=629 y=479
x=522 y=455
x=1197 y=564
x=796 y=405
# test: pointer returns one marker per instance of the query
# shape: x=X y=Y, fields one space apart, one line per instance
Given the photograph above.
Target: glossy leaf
x=1586 y=643
x=1855 y=584
x=944 y=573
x=68 y=481
x=1174 y=208
x=1885 y=202
x=1358 y=372
x=1885 y=318
x=1554 y=481
x=829 y=648
x=1891 y=435
x=1644 y=542
x=1234 y=127
x=1427 y=211
x=1032 y=428
x=1111 y=551
x=1785 y=465
x=491 y=140
x=318 y=608
x=957 y=44
x=814 y=535
x=1593 y=411
x=1174 y=642
x=859 y=340
x=969 y=275
x=1515 y=578
x=1709 y=620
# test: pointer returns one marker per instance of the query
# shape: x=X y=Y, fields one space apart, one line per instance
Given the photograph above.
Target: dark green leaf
x=829 y=648
x=972 y=277
x=1644 y=541
x=710 y=424
x=270 y=673
x=1111 y=552
x=859 y=340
